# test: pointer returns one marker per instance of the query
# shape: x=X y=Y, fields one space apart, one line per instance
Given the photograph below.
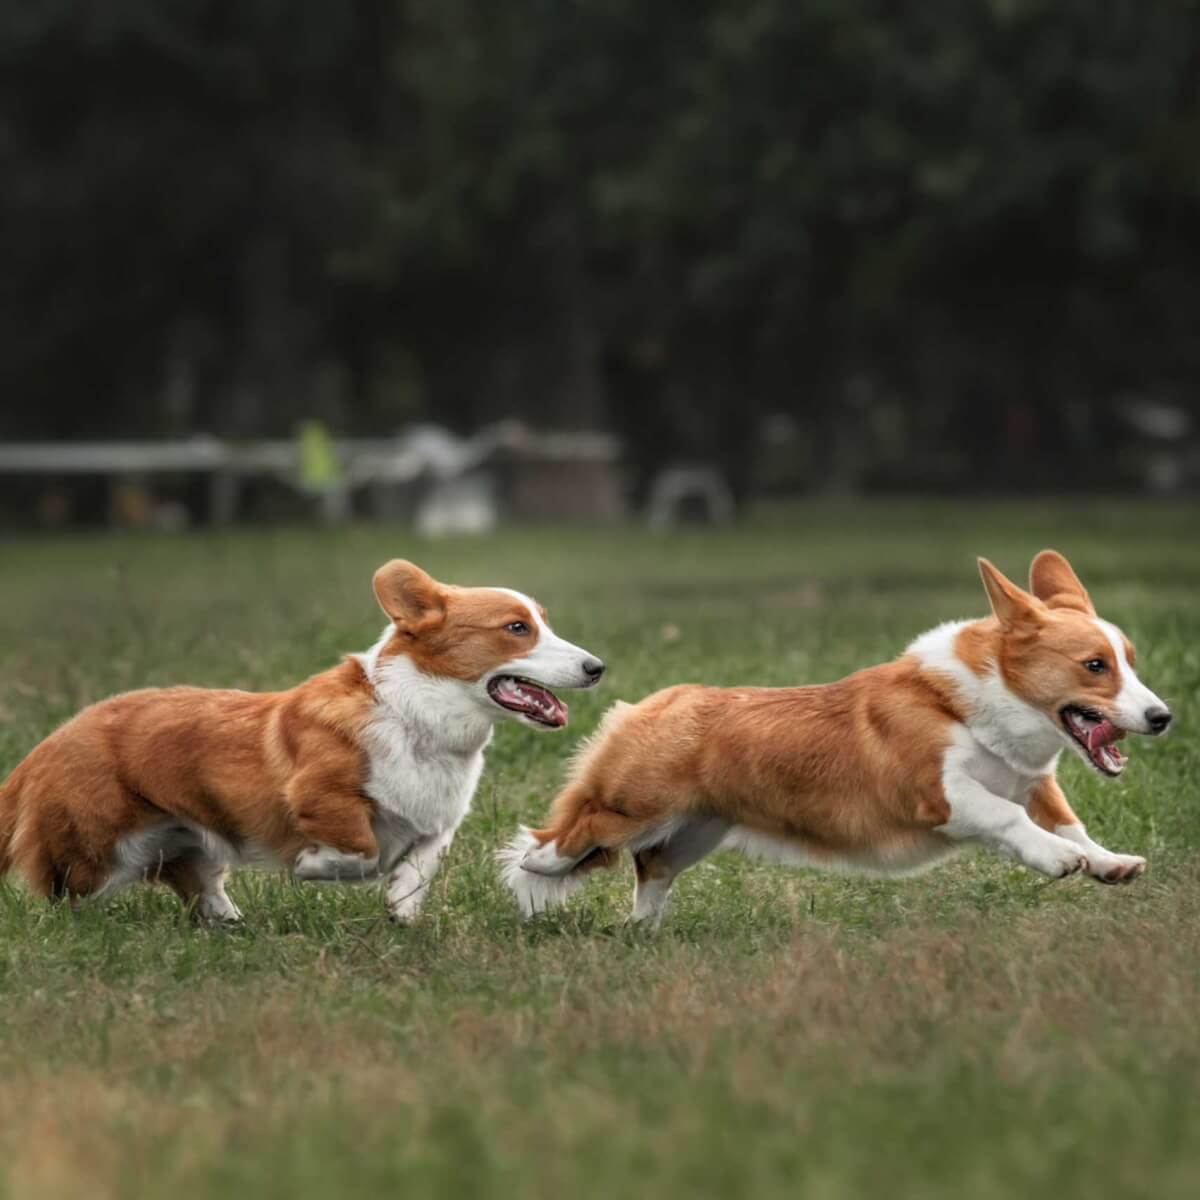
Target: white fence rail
x=422 y=453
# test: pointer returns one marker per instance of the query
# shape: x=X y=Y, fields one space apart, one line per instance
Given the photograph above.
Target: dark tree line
x=959 y=232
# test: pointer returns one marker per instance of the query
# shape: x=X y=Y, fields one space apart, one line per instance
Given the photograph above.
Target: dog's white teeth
x=1081 y=724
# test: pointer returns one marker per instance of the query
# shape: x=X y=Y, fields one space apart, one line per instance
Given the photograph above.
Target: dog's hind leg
x=542 y=867
x=199 y=880
x=658 y=865
x=336 y=820
x=559 y=852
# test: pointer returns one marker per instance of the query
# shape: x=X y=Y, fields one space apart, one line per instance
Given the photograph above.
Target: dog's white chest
x=997 y=774
x=993 y=772
x=428 y=786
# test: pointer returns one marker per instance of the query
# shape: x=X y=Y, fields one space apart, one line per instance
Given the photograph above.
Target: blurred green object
x=320 y=470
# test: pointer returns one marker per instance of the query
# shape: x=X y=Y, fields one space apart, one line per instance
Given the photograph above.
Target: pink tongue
x=1102 y=735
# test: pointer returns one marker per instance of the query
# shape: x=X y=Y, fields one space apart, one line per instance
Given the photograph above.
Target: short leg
x=594 y=828
x=977 y=815
x=197 y=880
x=323 y=864
x=409 y=881
x=548 y=860
x=657 y=866
x=1048 y=807
x=336 y=822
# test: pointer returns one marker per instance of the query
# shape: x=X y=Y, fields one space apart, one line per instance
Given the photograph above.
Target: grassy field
x=973 y=1032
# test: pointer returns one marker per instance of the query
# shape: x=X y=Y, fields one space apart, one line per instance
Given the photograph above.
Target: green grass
x=973 y=1032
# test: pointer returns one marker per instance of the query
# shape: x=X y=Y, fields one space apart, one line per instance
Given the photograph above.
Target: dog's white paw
x=1058 y=858
x=310 y=864
x=323 y=863
x=1115 y=868
x=403 y=915
x=546 y=860
x=217 y=908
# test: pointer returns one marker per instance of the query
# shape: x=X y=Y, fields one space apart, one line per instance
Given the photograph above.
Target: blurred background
x=460 y=262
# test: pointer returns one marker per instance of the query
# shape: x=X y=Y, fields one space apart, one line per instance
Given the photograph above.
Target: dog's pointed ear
x=1056 y=585
x=413 y=600
x=1012 y=605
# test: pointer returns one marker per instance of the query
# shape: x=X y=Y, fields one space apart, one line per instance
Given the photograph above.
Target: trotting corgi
x=363 y=771
x=953 y=744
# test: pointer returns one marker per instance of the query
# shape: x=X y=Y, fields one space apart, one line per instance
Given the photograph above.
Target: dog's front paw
x=1115 y=868
x=1059 y=858
x=216 y=909
x=403 y=914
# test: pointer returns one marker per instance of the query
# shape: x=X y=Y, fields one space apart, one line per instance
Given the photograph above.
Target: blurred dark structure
x=832 y=244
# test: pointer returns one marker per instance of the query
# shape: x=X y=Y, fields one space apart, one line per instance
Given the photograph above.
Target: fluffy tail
x=534 y=893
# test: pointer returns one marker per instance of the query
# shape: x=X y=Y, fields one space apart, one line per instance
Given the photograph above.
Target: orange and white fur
x=364 y=771
x=954 y=744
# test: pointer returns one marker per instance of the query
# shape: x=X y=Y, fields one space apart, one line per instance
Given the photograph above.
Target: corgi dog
x=364 y=771
x=887 y=771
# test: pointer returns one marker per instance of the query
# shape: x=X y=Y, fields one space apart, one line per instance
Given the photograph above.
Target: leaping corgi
x=364 y=771
x=887 y=771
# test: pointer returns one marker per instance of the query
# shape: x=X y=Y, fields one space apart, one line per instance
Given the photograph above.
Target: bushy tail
x=534 y=893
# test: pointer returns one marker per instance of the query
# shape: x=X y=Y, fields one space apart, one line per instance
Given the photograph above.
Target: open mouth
x=1096 y=736
x=529 y=699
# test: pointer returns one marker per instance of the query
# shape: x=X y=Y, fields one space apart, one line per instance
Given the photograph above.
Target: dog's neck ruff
x=438 y=714
x=996 y=717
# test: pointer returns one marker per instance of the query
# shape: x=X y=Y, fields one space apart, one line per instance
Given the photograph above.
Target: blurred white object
x=571 y=475
x=466 y=505
x=1166 y=421
x=680 y=491
x=1171 y=460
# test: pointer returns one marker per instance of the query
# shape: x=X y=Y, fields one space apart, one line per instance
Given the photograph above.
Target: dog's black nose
x=1158 y=719
x=593 y=668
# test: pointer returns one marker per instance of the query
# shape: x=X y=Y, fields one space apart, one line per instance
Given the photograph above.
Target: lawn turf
x=977 y=1031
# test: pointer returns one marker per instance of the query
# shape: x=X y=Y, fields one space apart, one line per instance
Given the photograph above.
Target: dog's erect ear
x=1012 y=605
x=412 y=599
x=1053 y=582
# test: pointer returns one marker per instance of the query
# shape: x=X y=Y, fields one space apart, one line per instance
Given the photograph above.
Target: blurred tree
x=671 y=218
x=178 y=174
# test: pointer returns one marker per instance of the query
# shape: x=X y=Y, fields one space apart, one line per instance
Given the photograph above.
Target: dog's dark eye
x=1097 y=666
x=517 y=627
